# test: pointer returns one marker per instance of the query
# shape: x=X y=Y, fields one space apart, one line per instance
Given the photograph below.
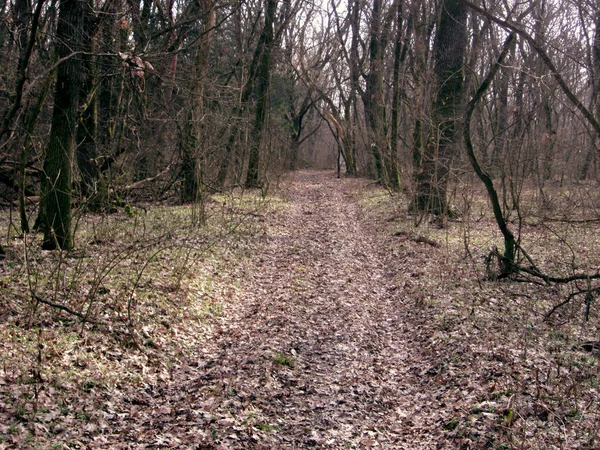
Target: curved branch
x=486 y=179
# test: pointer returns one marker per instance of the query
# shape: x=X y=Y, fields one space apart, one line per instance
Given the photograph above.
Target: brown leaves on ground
x=327 y=328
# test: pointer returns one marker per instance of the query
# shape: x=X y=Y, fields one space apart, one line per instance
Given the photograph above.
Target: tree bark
x=92 y=186
x=193 y=153
x=449 y=48
x=500 y=123
x=247 y=90
x=55 y=203
x=373 y=94
x=263 y=82
x=26 y=45
x=400 y=50
x=350 y=109
x=595 y=103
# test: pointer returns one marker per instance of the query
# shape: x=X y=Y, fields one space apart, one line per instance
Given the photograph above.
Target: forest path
x=316 y=351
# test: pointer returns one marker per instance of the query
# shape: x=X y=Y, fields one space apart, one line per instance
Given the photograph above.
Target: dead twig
x=140 y=183
x=588 y=295
x=66 y=309
x=418 y=238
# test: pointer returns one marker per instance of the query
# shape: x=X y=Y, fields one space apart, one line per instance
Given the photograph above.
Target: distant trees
x=164 y=99
x=537 y=165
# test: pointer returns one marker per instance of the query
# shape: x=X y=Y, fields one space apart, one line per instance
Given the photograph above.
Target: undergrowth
x=137 y=296
x=528 y=378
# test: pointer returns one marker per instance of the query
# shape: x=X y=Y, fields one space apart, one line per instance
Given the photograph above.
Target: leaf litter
x=324 y=327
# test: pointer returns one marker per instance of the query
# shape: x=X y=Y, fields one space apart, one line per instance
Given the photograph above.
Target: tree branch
x=509 y=238
x=545 y=58
x=22 y=71
x=64 y=308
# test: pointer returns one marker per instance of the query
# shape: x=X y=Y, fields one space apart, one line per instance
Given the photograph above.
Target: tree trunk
x=55 y=203
x=501 y=123
x=373 y=94
x=26 y=45
x=595 y=106
x=449 y=49
x=26 y=42
x=26 y=146
x=92 y=185
x=510 y=243
x=193 y=154
x=140 y=23
x=350 y=108
x=400 y=50
x=263 y=81
x=247 y=90
x=107 y=97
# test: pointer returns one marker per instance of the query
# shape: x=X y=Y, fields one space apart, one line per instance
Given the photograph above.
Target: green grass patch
x=284 y=360
x=267 y=427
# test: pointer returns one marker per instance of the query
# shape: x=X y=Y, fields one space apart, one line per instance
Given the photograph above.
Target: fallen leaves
x=314 y=326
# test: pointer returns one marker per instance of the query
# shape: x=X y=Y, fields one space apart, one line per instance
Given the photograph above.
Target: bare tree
x=194 y=152
x=449 y=49
x=400 y=51
x=55 y=207
x=263 y=82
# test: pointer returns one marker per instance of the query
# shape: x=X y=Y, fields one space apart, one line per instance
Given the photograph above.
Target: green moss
x=451 y=424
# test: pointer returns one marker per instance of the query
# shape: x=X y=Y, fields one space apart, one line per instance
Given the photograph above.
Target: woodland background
x=109 y=104
x=118 y=99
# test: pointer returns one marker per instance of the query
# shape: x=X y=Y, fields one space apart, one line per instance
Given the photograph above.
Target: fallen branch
x=571 y=296
x=418 y=238
x=66 y=309
x=140 y=183
x=571 y=221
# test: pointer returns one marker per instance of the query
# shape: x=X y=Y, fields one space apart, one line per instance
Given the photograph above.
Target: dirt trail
x=317 y=352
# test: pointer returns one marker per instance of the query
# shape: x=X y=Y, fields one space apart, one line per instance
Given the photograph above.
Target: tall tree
x=87 y=128
x=263 y=82
x=55 y=206
x=350 y=105
x=193 y=153
x=400 y=51
x=449 y=49
x=594 y=69
x=372 y=96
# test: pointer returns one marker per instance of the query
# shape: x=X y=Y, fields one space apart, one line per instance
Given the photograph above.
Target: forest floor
x=334 y=323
